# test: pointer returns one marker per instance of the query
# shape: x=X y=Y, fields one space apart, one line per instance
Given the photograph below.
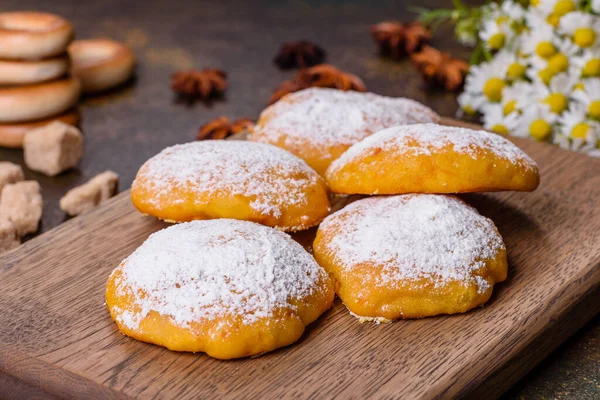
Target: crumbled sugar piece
x=436 y=237
x=53 y=148
x=271 y=176
x=89 y=195
x=21 y=203
x=424 y=138
x=332 y=117
x=10 y=173
x=206 y=269
x=9 y=239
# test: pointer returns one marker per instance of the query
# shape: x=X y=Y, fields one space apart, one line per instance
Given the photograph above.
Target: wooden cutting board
x=57 y=339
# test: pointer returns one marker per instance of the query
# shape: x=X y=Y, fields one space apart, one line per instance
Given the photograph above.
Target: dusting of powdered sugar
x=272 y=177
x=202 y=270
x=413 y=237
x=331 y=117
x=423 y=139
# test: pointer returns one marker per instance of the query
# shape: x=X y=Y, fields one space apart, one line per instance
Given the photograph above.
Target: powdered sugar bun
x=411 y=256
x=319 y=124
x=29 y=72
x=224 y=287
x=231 y=179
x=33 y=35
x=431 y=158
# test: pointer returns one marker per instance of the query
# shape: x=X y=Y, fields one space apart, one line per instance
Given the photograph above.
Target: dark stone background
x=125 y=127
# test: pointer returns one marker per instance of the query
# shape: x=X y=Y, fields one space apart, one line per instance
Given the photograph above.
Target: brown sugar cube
x=10 y=173
x=9 y=239
x=87 y=196
x=53 y=148
x=21 y=203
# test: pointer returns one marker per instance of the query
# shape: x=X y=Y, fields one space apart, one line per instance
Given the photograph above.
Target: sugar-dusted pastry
x=410 y=256
x=430 y=158
x=224 y=287
x=318 y=124
x=231 y=179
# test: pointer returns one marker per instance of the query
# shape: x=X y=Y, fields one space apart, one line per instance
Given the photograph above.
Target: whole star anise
x=396 y=39
x=439 y=68
x=221 y=128
x=299 y=54
x=322 y=75
x=199 y=85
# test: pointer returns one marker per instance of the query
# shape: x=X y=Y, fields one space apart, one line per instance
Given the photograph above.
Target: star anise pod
x=300 y=54
x=199 y=85
x=439 y=68
x=221 y=128
x=396 y=39
x=322 y=75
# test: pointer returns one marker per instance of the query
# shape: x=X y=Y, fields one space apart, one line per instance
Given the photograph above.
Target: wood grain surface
x=60 y=340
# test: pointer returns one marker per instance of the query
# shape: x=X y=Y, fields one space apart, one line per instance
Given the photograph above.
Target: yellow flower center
x=515 y=71
x=469 y=110
x=509 y=107
x=496 y=41
x=535 y=3
x=584 y=37
x=545 y=49
x=553 y=19
x=579 y=86
x=580 y=130
x=493 y=89
x=558 y=102
x=594 y=109
x=591 y=68
x=558 y=63
x=540 y=129
x=501 y=129
x=546 y=75
x=502 y=19
x=563 y=7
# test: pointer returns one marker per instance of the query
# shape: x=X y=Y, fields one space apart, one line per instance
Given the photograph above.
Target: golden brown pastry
x=39 y=101
x=410 y=256
x=30 y=35
x=319 y=124
x=231 y=179
x=224 y=287
x=101 y=64
x=35 y=71
x=430 y=158
x=12 y=134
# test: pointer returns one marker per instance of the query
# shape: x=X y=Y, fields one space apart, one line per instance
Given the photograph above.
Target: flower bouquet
x=535 y=69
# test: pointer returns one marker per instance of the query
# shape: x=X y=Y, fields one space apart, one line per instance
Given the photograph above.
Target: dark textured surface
x=127 y=126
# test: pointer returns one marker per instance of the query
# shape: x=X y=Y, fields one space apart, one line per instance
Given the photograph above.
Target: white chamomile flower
x=575 y=124
x=514 y=67
x=517 y=97
x=540 y=40
x=470 y=103
x=582 y=28
x=587 y=64
x=495 y=35
x=557 y=94
x=544 y=69
x=536 y=122
x=488 y=79
x=589 y=97
x=596 y=6
x=554 y=10
x=513 y=10
x=495 y=120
